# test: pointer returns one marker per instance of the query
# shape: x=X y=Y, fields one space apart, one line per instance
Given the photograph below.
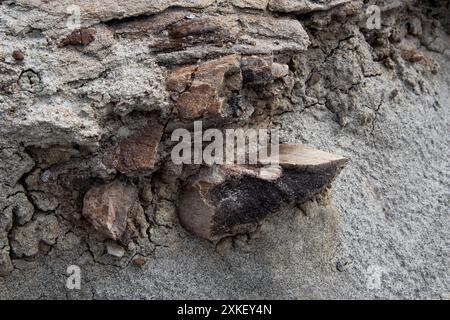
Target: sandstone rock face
x=221 y=201
x=106 y=207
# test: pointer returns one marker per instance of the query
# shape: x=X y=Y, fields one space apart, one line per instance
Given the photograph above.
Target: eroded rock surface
x=213 y=90
x=205 y=90
x=106 y=207
x=25 y=240
x=137 y=152
x=86 y=115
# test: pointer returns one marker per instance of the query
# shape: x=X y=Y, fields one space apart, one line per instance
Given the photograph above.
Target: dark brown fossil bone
x=226 y=200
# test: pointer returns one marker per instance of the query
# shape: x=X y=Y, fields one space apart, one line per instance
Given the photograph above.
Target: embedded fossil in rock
x=220 y=68
x=76 y=127
x=226 y=200
x=244 y=69
x=212 y=90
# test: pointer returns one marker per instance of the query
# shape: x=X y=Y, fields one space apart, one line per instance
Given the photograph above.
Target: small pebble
x=140 y=262
x=18 y=55
x=114 y=249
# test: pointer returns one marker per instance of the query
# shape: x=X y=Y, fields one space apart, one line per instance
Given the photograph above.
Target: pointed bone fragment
x=227 y=200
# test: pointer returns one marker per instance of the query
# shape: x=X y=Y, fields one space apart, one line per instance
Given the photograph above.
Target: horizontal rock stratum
x=106 y=207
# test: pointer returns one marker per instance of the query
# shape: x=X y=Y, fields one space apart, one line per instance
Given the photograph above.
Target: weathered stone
x=199 y=100
x=273 y=34
x=180 y=78
x=18 y=55
x=137 y=224
x=16 y=162
x=412 y=55
x=129 y=87
x=25 y=240
x=44 y=201
x=61 y=121
x=93 y=13
x=80 y=37
x=5 y=262
x=303 y=6
x=170 y=172
x=114 y=249
x=227 y=200
x=19 y=210
x=251 y=4
x=54 y=154
x=107 y=206
x=209 y=36
x=147 y=194
x=167 y=191
x=280 y=70
x=415 y=27
x=165 y=214
x=214 y=90
x=139 y=262
x=256 y=70
x=138 y=152
x=212 y=83
x=196 y=33
x=192 y=28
